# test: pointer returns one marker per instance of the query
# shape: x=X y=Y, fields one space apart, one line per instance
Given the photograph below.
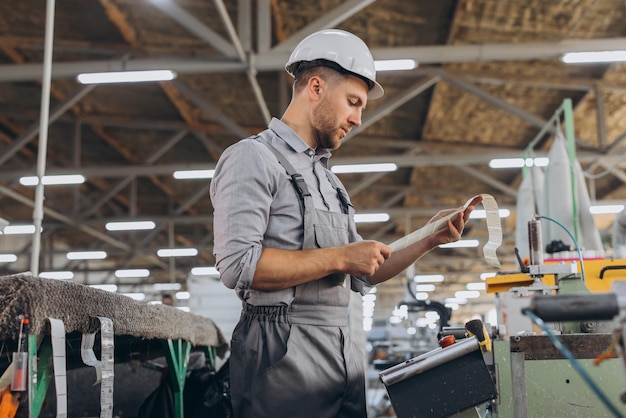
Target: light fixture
x=126 y=76
x=132 y=273
x=467 y=294
x=367 y=324
x=482 y=214
x=194 y=174
x=603 y=209
x=485 y=276
x=135 y=296
x=19 y=229
x=422 y=296
x=425 y=287
x=476 y=286
x=86 y=255
x=460 y=301
x=519 y=162
x=8 y=258
x=177 y=252
x=105 y=287
x=369 y=297
x=182 y=295
x=462 y=243
x=59 y=275
x=371 y=217
x=364 y=168
x=394 y=65
x=428 y=278
x=53 y=180
x=166 y=286
x=594 y=57
x=129 y=226
x=205 y=271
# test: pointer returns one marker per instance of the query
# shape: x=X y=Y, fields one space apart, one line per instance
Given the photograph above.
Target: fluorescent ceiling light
x=126 y=76
x=53 y=180
x=184 y=308
x=59 y=275
x=463 y=243
x=485 y=276
x=453 y=306
x=601 y=209
x=428 y=278
x=593 y=56
x=429 y=287
x=130 y=226
x=422 y=296
x=135 y=296
x=364 y=168
x=467 y=294
x=482 y=214
x=518 y=162
x=19 y=229
x=166 y=286
x=371 y=217
x=394 y=65
x=86 y=255
x=194 y=174
x=106 y=287
x=205 y=271
x=177 y=252
x=369 y=297
x=182 y=295
x=460 y=301
x=476 y=286
x=132 y=273
x=8 y=258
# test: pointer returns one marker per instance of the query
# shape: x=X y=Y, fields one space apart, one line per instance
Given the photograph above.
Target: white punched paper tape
x=105 y=366
x=493 y=226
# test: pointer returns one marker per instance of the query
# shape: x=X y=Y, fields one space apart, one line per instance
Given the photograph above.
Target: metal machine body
x=533 y=377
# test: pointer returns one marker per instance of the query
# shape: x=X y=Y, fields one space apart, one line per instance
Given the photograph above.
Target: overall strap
x=342 y=195
x=296 y=178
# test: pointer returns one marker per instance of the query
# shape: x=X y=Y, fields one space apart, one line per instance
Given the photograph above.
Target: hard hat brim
x=376 y=92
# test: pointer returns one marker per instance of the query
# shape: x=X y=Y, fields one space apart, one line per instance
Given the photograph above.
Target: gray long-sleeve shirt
x=255 y=206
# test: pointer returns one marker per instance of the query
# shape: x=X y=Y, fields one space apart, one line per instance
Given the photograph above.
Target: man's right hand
x=364 y=258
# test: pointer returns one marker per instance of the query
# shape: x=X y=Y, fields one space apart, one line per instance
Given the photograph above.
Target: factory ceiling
x=488 y=81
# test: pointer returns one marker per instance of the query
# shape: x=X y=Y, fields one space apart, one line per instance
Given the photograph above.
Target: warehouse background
x=488 y=78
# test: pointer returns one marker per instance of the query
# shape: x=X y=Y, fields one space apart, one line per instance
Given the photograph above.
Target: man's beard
x=324 y=126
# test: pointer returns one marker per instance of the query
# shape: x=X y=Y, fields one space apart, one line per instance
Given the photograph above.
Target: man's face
x=338 y=110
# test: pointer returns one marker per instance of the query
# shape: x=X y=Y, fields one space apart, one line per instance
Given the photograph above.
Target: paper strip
x=105 y=366
x=57 y=336
x=493 y=226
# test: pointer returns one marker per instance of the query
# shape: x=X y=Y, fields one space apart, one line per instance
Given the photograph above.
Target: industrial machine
x=558 y=349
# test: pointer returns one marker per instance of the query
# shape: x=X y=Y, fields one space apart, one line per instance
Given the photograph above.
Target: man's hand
x=364 y=258
x=454 y=227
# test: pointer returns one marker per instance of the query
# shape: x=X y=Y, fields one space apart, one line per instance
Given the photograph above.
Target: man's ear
x=315 y=85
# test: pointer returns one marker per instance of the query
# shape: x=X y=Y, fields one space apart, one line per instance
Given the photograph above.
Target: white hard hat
x=339 y=47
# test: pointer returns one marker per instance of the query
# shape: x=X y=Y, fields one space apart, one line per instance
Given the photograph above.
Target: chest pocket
x=329 y=235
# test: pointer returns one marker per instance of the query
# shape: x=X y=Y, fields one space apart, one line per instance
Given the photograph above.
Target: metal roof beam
x=275 y=60
x=328 y=20
x=423 y=160
x=34 y=129
x=196 y=27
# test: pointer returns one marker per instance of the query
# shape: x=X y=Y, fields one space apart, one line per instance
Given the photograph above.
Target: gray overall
x=298 y=361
